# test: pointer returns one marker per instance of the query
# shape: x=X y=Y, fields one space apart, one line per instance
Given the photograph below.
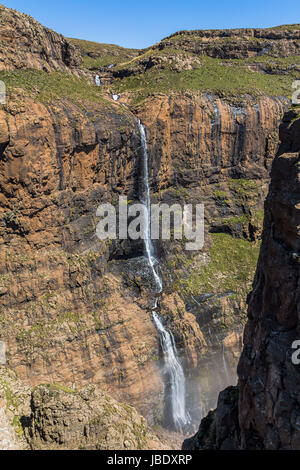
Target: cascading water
x=98 y=81
x=175 y=372
x=146 y=201
x=173 y=368
x=225 y=365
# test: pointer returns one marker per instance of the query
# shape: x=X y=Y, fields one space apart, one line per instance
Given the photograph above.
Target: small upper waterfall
x=173 y=368
x=98 y=81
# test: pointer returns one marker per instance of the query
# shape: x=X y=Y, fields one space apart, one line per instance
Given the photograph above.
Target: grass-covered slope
x=96 y=55
x=219 y=76
x=47 y=87
x=225 y=62
x=228 y=63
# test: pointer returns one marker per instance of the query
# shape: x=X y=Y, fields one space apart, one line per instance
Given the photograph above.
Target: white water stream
x=225 y=365
x=173 y=368
x=146 y=201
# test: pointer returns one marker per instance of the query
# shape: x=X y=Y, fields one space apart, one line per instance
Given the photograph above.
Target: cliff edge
x=25 y=43
x=263 y=412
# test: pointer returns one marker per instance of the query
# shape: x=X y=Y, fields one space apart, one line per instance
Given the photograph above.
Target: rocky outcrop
x=53 y=416
x=255 y=50
x=237 y=43
x=62 y=418
x=268 y=405
x=25 y=43
x=220 y=428
x=269 y=412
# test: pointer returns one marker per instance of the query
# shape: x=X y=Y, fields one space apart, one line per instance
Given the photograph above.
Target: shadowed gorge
x=262 y=412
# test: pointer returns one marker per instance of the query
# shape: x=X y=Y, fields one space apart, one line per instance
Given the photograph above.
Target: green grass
x=60 y=388
x=256 y=219
x=268 y=60
x=48 y=87
x=194 y=34
x=288 y=27
x=96 y=63
x=98 y=47
x=222 y=77
x=213 y=76
x=243 y=188
x=231 y=267
x=92 y=63
x=221 y=196
x=106 y=53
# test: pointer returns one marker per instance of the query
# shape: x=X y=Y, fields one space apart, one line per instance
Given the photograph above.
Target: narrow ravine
x=172 y=367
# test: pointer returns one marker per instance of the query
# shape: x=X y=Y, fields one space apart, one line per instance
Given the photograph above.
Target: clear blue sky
x=139 y=24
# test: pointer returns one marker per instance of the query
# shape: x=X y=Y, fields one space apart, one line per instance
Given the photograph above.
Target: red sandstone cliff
x=69 y=315
x=75 y=310
x=236 y=43
x=25 y=43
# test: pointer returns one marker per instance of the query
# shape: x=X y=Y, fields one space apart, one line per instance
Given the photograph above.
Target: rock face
x=53 y=416
x=25 y=43
x=70 y=301
x=14 y=403
x=202 y=147
x=199 y=140
x=76 y=310
x=266 y=415
x=237 y=43
x=220 y=428
x=269 y=412
x=8 y=439
x=76 y=325
x=64 y=419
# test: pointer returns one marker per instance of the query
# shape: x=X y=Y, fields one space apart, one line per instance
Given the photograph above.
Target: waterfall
x=175 y=372
x=98 y=81
x=146 y=201
x=173 y=368
x=225 y=365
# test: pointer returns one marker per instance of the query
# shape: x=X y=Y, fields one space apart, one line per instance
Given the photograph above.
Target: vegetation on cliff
x=48 y=87
x=97 y=55
x=262 y=412
x=219 y=76
x=76 y=310
x=53 y=416
x=231 y=267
